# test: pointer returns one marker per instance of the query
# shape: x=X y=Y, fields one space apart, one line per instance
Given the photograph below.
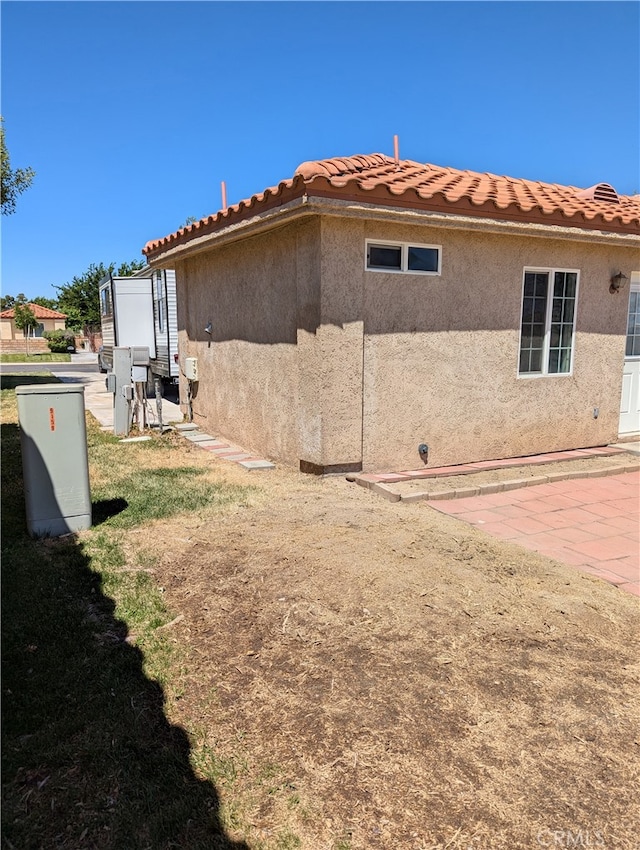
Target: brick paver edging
x=387 y=492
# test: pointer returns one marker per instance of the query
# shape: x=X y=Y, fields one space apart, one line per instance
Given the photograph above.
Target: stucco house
x=13 y=338
x=369 y=306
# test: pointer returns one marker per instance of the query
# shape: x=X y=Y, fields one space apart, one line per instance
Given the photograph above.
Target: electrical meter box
x=191 y=368
x=139 y=374
x=55 y=465
x=140 y=356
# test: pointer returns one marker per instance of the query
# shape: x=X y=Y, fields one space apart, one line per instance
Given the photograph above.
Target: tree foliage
x=126 y=269
x=80 y=298
x=25 y=320
x=50 y=303
x=13 y=182
x=9 y=301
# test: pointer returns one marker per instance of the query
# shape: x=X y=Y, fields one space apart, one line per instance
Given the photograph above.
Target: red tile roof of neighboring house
x=38 y=311
x=380 y=180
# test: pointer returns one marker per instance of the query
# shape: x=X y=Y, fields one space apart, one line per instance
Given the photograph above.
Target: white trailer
x=141 y=311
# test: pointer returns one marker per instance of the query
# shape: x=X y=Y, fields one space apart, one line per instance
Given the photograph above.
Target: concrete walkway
x=99 y=403
x=96 y=398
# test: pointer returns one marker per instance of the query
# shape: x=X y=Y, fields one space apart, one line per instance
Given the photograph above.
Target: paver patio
x=589 y=523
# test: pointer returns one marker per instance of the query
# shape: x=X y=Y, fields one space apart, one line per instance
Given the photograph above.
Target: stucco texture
x=441 y=354
x=8 y=330
x=314 y=359
x=248 y=387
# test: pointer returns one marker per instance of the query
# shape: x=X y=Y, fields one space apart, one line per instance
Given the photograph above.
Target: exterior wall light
x=209 y=328
x=617 y=282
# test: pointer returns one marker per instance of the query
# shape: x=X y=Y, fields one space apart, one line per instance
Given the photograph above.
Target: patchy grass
x=303 y=666
x=89 y=757
x=135 y=483
x=47 y=357
x=159 y=493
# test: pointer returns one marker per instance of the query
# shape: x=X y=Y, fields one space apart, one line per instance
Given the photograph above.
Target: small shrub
x=60 y=341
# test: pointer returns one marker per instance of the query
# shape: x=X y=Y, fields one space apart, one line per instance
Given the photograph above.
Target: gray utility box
x=55 y=465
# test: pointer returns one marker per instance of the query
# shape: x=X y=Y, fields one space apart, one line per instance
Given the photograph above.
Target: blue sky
x=132 y=113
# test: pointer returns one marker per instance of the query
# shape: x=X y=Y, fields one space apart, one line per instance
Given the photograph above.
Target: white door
x=630 y=401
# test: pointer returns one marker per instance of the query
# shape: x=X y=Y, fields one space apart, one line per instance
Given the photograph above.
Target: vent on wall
x=600 y=192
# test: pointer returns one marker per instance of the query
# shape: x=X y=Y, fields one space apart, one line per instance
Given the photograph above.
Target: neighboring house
x=48 y=320
x=370 y=305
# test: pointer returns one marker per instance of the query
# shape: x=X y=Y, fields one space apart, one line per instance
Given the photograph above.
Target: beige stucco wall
x=330 y=351
x=314 y=359
x=248 y=387
x=9 y=331
x=441 y=353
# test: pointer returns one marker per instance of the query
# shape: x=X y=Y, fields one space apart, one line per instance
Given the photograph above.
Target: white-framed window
x=160 y=301
x=403 y=257
x=632 y=348
x=106 y=305
x=548 y=319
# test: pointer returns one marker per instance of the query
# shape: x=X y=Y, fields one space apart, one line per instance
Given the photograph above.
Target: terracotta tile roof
x=378 y=179
x=38 y=311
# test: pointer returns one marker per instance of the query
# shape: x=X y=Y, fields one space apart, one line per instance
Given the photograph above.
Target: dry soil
x=413 y=683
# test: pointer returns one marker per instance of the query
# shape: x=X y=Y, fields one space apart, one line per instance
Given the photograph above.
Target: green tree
x=126 y=269
x=13 y=183
x=9 y=301
x=25 y=320
x=80 y=299
x=51 y=303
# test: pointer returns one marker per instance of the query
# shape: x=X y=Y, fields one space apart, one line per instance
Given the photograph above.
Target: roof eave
x=165 y=256
x=275 y=197
x=471 y=221
x=410 y=199
x=437 y=212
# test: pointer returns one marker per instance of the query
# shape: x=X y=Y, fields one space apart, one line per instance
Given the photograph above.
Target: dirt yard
x=411 y=682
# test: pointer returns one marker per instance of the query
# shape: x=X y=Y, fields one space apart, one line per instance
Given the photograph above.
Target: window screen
x=422 y=259
x=385 y=257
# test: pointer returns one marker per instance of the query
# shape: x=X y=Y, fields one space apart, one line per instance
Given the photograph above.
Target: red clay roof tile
x=431 y=187
x=38 y=311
